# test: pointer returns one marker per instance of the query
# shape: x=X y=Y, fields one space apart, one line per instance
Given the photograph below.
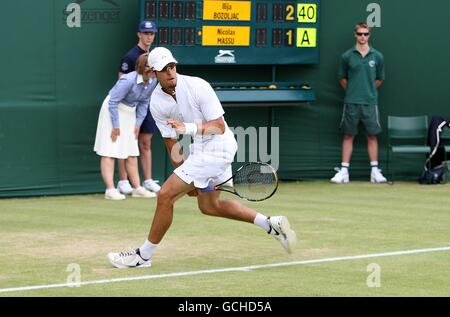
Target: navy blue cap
x=147 y=26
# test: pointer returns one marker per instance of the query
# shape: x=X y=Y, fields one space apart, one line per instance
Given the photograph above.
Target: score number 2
x=307 y=12
x=290 y=10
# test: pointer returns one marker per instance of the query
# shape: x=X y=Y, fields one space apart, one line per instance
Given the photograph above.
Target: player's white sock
x=374 y=165
x=147 y=249
x=261 y=221
x=345 y=166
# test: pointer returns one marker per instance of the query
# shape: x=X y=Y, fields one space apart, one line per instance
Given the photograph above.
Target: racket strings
x=255 y=181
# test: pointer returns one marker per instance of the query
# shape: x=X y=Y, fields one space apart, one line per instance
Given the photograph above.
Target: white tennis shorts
x=208 y=164
x=126 y=144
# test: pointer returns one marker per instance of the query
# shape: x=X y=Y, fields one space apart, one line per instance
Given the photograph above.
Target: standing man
x=188 y=105
x=361 y=73
x=146 y=35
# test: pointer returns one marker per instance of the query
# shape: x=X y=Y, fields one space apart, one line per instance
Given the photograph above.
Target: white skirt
x=126 y=144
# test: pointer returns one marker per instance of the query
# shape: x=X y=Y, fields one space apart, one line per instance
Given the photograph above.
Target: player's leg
x=278 y=226
x=171 y=190
x=210 y=204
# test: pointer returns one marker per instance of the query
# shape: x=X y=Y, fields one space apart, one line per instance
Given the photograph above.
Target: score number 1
x=307 y=12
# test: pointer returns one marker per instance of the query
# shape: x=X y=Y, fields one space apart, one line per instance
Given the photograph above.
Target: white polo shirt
x=210 y=156
x=196 y=103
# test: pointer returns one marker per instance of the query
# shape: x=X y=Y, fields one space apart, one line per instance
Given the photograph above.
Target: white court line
x=232 y=269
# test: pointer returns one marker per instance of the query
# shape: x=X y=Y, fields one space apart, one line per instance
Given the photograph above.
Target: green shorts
x=353 y=115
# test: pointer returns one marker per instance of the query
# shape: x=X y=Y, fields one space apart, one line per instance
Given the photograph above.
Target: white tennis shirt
x=196 y=103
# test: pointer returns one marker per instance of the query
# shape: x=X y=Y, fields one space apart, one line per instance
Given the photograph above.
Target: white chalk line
x=232 y=269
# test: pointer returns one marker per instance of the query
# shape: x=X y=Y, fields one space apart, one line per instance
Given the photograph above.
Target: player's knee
x=207 y=208
x=165 y=196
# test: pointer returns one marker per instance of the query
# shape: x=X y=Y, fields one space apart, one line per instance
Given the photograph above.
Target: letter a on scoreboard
x=306 y=37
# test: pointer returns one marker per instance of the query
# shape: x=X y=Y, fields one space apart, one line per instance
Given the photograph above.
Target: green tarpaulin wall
x=54 y=79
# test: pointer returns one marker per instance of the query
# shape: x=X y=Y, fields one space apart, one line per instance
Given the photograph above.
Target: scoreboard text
x=237 y=32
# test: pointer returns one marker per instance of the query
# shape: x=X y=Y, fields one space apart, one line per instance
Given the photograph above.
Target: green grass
x=40 y=237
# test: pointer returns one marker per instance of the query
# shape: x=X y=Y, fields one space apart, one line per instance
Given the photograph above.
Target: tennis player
x=187 y=105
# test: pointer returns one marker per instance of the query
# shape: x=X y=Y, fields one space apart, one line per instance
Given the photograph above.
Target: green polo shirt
x=361 y=73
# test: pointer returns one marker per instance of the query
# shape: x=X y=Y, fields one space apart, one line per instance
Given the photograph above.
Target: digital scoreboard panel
x=257 y=32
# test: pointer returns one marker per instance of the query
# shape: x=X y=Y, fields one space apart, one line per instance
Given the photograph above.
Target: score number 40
x=306 y=12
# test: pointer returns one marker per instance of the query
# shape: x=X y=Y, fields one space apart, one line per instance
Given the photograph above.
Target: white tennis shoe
x=128 y=259
x=341 y=177
x=376 y=176
x=151 y=185
x=141 y=192
x=113 y=194
x=124 y=187
x=281 y=230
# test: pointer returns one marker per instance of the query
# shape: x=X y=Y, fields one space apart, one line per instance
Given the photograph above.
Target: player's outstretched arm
x=216 y=126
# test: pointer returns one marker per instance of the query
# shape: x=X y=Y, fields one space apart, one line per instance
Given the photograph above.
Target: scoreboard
x=227 y=32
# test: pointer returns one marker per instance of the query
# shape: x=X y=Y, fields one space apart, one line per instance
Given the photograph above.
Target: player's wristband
x=191 y=128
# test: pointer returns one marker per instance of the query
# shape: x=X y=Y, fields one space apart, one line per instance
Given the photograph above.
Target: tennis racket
x=254 y=181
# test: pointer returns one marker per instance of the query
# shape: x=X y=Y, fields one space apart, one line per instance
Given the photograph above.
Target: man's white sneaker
x=141 y=192
x=281 y=230
x=376 y=176
x=151 y=185
x=125 y=187
x=113 y=194
x=128 y=259
x=341 y=177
